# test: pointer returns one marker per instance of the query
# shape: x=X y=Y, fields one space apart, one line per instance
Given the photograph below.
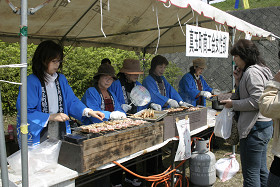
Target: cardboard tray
x=158 y=115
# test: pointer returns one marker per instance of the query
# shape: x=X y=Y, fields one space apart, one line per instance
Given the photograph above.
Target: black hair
x=248 y=52
x=192 y=70
x=157 y=60
x=121 y=76
x=45 y=52
x=105 y=60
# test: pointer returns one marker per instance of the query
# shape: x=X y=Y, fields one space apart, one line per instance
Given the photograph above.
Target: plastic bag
x=224 y=123
x=226 y=168
x=234 y=136
x=43 y=156
x=184 y=146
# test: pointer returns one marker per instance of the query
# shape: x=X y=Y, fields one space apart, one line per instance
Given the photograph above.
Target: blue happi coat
x=150 y=83
x=116 y=88
x=36 y=118
x=188 y=89
x=93 y=100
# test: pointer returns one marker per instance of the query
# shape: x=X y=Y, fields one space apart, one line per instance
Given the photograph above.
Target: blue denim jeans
x=253 y=150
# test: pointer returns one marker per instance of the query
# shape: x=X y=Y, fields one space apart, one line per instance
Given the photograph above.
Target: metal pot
x=216 y=105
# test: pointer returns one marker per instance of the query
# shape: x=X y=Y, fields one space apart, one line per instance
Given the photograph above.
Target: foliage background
x=79 y=66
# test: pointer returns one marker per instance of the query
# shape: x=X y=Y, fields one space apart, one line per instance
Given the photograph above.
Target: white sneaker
x=134 y=182
x=118 y=185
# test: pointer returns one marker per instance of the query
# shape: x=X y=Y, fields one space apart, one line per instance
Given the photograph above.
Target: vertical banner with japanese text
x=201 y=42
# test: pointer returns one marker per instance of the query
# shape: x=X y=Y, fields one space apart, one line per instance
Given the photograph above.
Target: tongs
x=212 y=98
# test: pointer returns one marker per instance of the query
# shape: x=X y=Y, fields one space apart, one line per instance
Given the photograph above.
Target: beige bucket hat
x=199 y=62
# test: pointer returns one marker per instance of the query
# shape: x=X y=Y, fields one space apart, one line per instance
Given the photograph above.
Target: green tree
x=79 y=66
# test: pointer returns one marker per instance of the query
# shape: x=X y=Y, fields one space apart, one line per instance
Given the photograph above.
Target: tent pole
x=144 y=62
x=3 y=154
x=23 y=95
x=233 y=81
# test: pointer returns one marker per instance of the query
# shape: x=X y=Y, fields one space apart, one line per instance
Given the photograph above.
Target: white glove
x=185 y=104
x=216 y=92
x=126 y=107
x=205 y=94
x=156 y=106
x=117 y=115
x=172 y=103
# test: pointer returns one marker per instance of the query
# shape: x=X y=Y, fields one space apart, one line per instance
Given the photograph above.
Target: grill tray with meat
x=100 y=129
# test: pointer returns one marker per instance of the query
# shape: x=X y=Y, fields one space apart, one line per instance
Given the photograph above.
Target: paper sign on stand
x=201 y=42
x=184 y=146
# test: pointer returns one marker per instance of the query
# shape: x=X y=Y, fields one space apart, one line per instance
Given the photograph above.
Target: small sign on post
x=203 y=42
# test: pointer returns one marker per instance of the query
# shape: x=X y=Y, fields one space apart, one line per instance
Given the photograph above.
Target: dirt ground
x=220 y=150
x=237 y=180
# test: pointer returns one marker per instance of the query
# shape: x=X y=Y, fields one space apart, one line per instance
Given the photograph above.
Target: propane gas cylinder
x=202 y=165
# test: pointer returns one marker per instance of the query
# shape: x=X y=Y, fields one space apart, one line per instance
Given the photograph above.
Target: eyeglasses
x=56 y=61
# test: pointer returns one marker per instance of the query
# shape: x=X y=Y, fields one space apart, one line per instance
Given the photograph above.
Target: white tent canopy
x=128 y=24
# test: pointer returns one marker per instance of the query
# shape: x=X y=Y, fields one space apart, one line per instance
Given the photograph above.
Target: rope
x=11 y=82
x=158 y=31
x=190 y=18
x=102 y=19
x=167 y=6
x=14 y=66
x=108 y=5
x=24 y=65
x=180 y=25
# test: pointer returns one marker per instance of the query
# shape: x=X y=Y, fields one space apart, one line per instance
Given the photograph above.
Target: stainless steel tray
x=158 y=115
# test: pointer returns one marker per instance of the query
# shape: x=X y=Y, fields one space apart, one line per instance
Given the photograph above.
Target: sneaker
x=118 y=185
x=134 y=182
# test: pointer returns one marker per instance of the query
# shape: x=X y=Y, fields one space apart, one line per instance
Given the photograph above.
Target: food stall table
x=59 y=177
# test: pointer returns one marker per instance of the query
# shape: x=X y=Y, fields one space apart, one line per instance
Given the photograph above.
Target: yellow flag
x=246 y=4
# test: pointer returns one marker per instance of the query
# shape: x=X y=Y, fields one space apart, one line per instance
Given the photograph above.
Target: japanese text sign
x=203 y=42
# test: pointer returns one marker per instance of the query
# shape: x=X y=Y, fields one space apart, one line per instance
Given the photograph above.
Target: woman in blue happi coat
x=127 y=80
x=161 y=91
x=192 y=87
x=50 y=99
x=100 y=98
